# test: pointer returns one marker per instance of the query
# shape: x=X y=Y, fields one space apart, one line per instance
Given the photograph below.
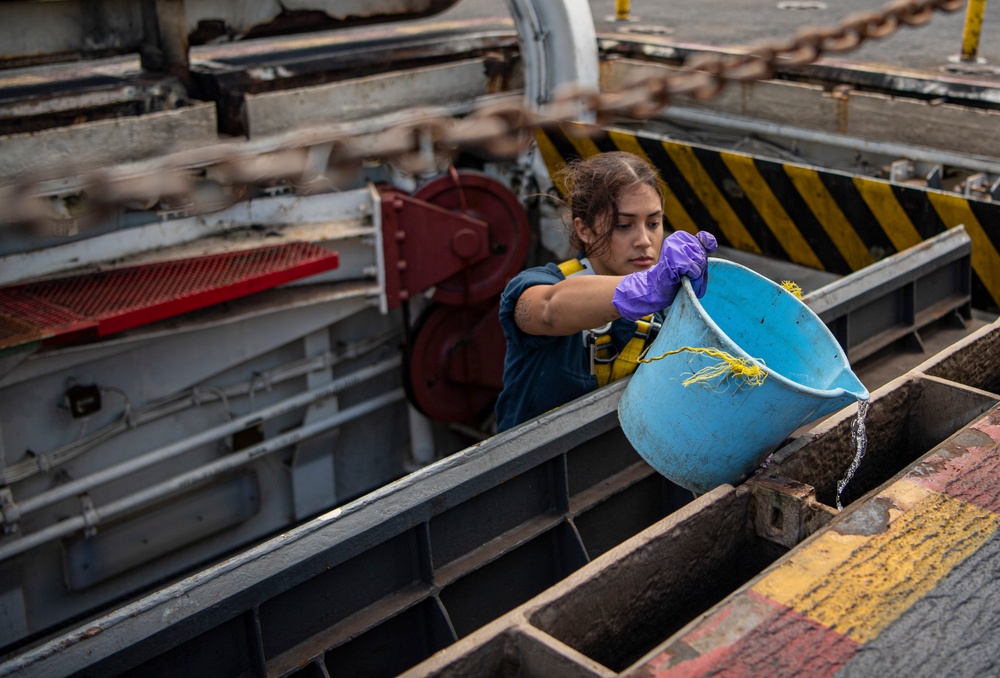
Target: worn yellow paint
x=883 y=204
x=972 y=29
x=703 y=186
x=823 y=206
x=954 y=210
x=768 y=206
x=672 y=207
x=873 y=580
x=554 y=162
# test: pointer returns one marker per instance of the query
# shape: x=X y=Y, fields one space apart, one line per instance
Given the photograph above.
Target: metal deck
x=533 y=529
x=904 y=580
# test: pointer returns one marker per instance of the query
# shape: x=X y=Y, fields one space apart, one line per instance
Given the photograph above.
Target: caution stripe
x=955 y=210
x=827 y=220
x=766 y=203
x=825 y=207
x=708 y=192
x=887 y=210
x=679 y=217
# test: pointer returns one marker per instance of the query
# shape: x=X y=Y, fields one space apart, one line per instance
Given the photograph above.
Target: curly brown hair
x=595 y=186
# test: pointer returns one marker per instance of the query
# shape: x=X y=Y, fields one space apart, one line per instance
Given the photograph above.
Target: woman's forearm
x=572 y=305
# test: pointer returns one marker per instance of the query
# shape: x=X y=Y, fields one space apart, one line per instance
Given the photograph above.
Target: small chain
x=211 y=178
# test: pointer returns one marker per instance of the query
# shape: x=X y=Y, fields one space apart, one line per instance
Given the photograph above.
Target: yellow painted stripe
x=584 y=145
x=672 y=207
x=700 y=181
x=883 y=204
x=858 y=585
x=954 y=210
x=554 y=162
x=757 y=190
x=809 y=185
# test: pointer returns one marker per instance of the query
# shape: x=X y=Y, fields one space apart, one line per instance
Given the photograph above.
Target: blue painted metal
x=709 y=433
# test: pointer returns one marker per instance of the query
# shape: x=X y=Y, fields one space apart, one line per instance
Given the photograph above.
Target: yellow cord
x=749 y=372
x=792 y=287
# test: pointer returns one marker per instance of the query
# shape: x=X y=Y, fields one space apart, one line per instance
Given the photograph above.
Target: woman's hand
x=645 y=292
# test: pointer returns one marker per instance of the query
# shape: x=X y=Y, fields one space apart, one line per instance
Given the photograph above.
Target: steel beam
x=897 y=296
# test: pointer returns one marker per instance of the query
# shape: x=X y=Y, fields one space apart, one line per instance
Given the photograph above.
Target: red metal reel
x=455 y=363
x=484 y=198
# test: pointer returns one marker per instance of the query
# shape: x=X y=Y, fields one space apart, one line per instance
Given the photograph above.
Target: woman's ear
x=582 y=232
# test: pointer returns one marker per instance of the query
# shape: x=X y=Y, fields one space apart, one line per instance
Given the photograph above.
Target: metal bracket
x=8 y=508
x=90 y=515
x=408 y=226
x=976 y=184
x=935 y=178
x=786 y=511
x=901 y=170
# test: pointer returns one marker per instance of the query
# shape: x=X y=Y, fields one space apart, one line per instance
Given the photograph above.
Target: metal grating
x=111 y=301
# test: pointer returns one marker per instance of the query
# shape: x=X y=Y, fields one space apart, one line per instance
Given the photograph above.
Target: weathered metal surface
x=534 y=502
x=785 y=511
x=83 y=28
x=898 y=295
x=504 y=130
x=900 y=563
x=462 y=523
x=446 y=84
x=824 y=219
x=896 y=564
x=106 y=142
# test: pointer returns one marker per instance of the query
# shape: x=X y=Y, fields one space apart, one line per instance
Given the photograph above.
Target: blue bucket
x=704 y=435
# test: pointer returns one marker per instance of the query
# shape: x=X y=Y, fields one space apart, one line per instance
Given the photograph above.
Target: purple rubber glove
x=645 y=292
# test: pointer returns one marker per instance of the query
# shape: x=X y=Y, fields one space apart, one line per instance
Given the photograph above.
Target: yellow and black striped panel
x=823 y=219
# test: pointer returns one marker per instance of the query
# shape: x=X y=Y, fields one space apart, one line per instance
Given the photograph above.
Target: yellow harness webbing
x=571 y=267
x=607 y=364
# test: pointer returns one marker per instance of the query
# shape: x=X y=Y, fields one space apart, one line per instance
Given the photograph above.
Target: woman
x=578 y=325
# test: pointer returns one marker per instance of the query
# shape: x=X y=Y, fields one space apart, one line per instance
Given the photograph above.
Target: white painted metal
x=558 y=45
x=704 y=118
x=313 y=470
x=362 y=98
x=196 y=476
x=89 y=482
x=322 y=217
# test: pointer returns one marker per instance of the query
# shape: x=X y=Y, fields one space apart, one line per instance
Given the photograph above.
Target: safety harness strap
x=606 y=363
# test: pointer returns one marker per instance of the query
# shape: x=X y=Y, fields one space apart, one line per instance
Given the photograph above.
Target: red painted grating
x=112 y=301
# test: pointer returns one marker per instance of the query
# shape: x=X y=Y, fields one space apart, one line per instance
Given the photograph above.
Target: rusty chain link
x=210 y=178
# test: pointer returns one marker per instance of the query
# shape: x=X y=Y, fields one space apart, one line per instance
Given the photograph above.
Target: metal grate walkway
x=103 y=303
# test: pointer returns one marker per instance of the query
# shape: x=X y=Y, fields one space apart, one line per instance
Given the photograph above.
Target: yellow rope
x=792 y=287
x=749 y=372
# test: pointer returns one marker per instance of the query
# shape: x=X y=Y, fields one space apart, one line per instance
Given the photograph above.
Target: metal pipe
x=166 y=452
x=972 y=30
x=165 y=407
x=699 y=117
x=196 y=476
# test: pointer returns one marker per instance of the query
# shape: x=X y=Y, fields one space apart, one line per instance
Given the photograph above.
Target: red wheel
x=455 y=363
x=484 y=198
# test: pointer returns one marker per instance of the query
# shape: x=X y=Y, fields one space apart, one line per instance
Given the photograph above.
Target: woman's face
x=636 y=237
